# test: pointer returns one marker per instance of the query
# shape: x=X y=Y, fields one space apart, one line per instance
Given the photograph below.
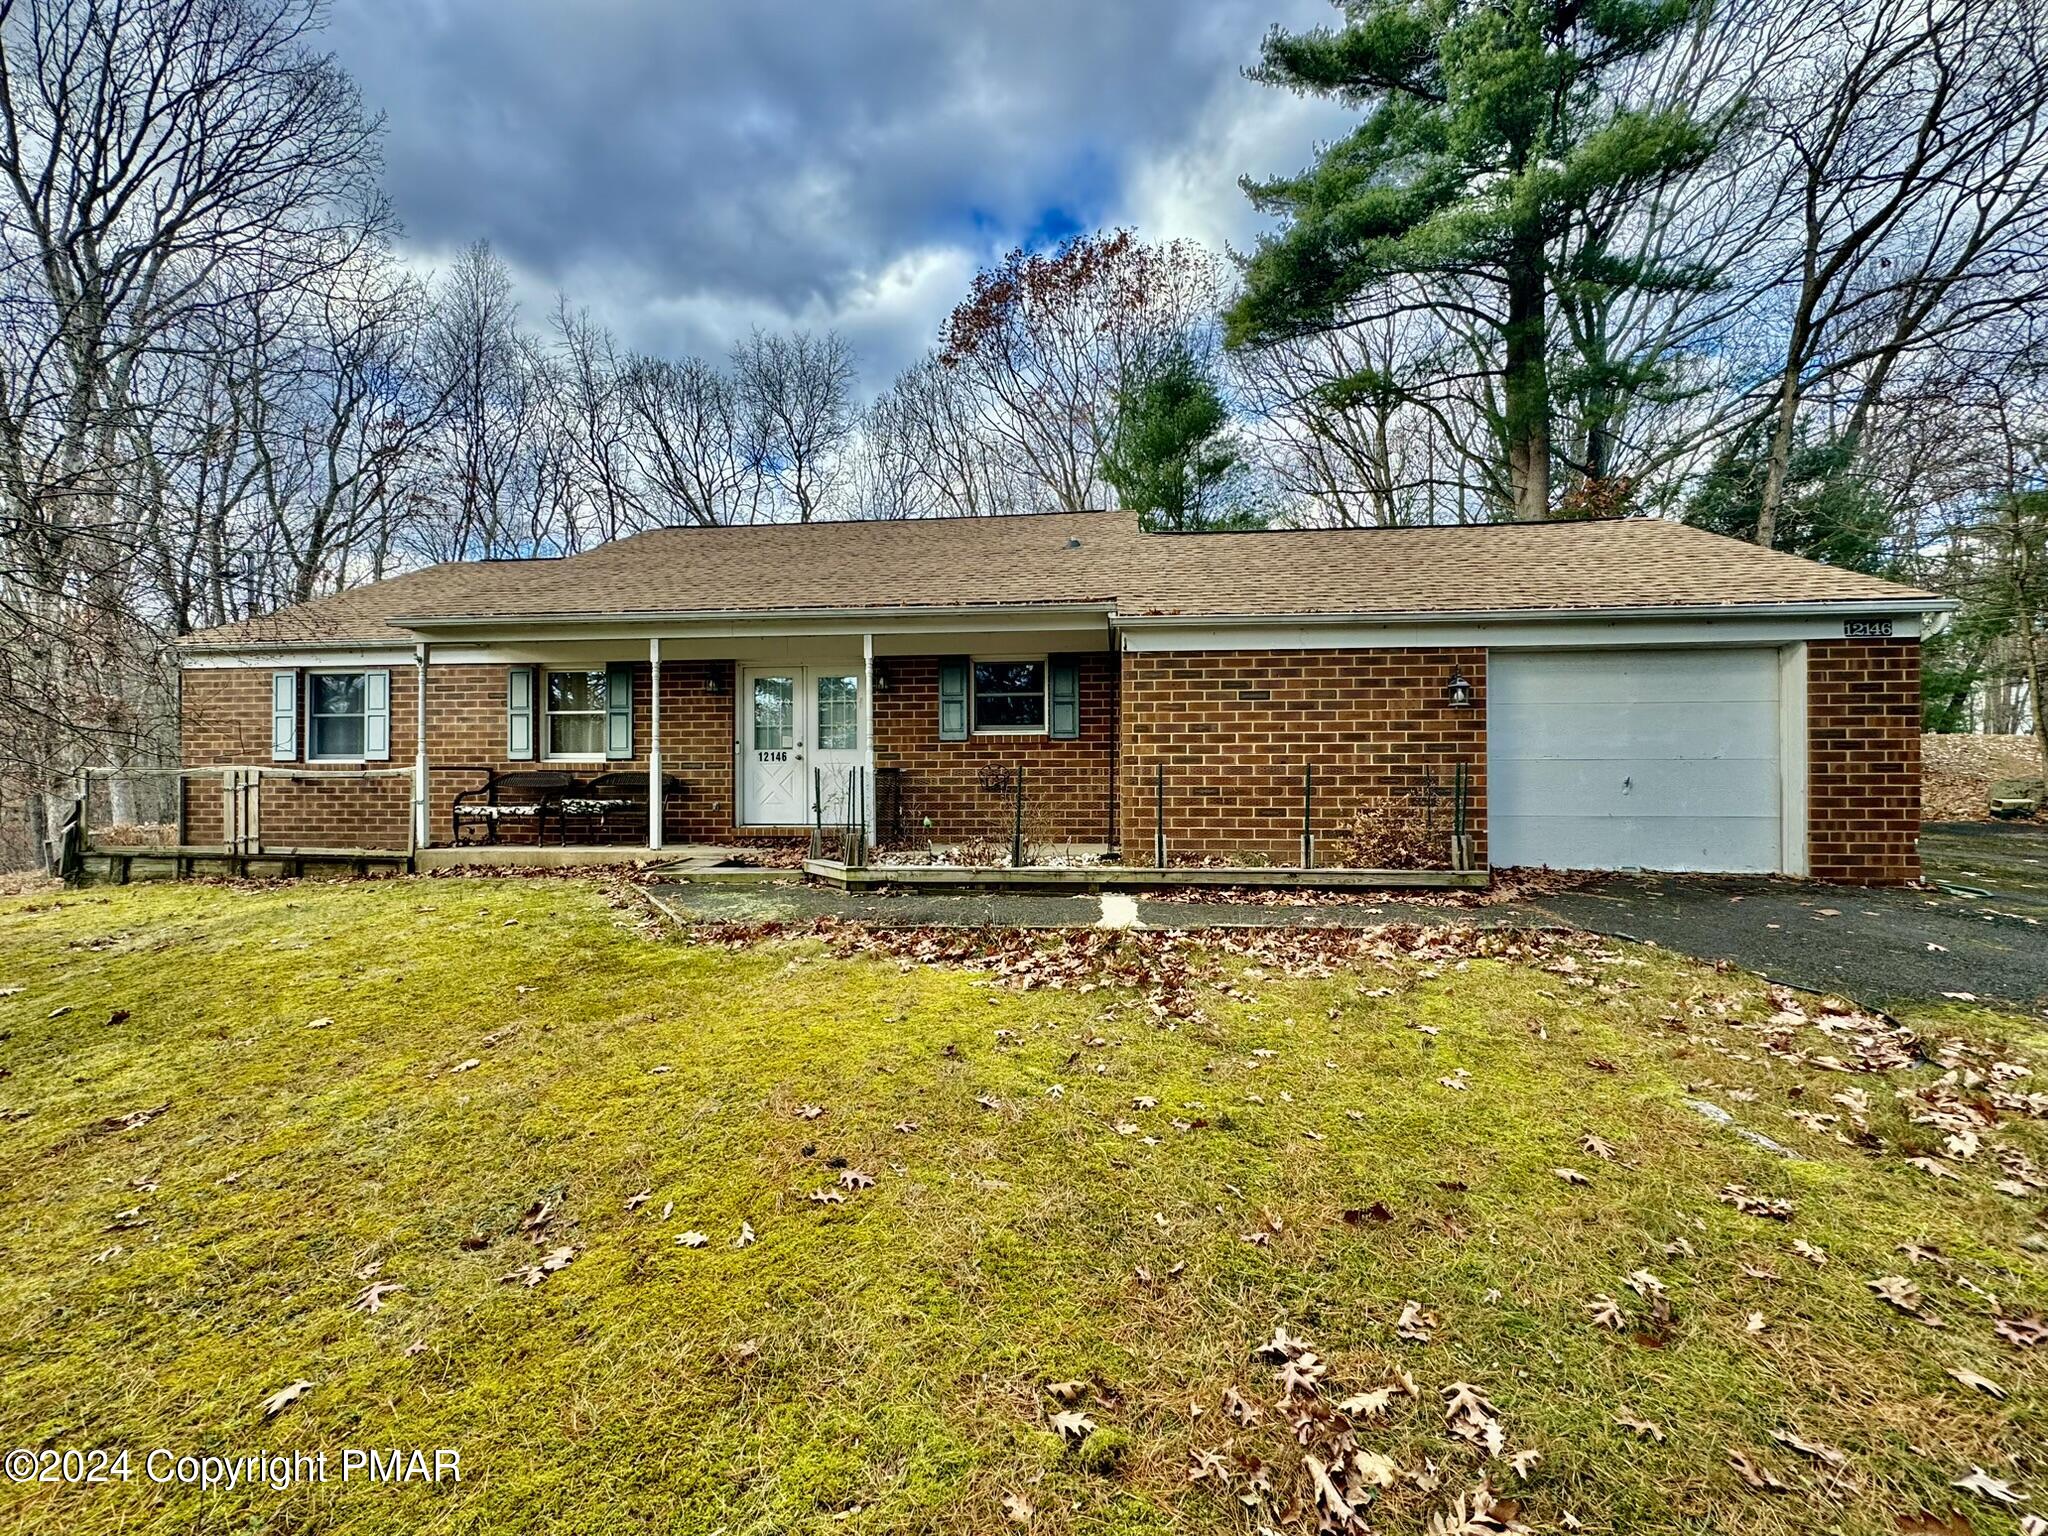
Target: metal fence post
x=1308 y=836
x=1159 y=815
x=1017 y=824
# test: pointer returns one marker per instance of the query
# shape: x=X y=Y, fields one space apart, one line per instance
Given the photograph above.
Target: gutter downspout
x=655 y=808
x=421 y=831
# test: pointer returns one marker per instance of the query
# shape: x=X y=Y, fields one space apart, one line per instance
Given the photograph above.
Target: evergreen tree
x=1830 y=513
x=1170 y=455
x=1490 y=130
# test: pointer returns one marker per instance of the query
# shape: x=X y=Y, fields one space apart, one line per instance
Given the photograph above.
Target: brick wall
x=226 y=721
x=1234 y=729
x=224 y=716
x=1863 y=760
x=965 y=787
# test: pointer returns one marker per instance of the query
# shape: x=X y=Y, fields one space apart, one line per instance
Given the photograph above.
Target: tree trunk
x=1525 y=388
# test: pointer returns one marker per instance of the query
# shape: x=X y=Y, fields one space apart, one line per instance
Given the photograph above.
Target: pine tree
x=1489 y=129
x=1171 y=457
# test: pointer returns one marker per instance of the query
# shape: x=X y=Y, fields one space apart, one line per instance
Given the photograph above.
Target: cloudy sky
x=691 y=168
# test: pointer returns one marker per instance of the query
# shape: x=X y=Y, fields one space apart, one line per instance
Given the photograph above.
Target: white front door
x=799 y=738
x=1648 y=759
x=772 y=748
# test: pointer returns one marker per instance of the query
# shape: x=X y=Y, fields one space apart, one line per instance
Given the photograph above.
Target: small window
x=576 y=707
x=774 y=714
x=838 y=714
x=338 y=710
x=1009 y=696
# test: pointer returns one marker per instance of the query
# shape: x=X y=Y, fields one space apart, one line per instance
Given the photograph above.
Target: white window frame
x=976 y=728
x=312 y=723
x=817 y=675
x=547 y=714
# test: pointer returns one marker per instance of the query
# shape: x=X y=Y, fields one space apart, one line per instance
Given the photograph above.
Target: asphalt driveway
x=1981 y=928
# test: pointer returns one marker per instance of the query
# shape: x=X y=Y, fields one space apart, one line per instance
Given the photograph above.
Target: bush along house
x=1627 y=694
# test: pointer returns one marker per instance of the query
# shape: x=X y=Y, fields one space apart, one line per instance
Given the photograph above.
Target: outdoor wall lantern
x=1458 y=691
x=714 y=680
x=881 y=677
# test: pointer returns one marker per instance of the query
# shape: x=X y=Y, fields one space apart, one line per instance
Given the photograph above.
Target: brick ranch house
x=1621 y=694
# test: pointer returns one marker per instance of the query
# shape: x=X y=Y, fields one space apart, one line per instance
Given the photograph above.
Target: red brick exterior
x=1863 y=760
x=1234 y=730
x=967 y=788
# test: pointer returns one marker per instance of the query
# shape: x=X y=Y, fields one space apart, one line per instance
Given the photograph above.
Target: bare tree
x=690 y=442
x=1914 y=136
x=795 y=396
x=158 y=158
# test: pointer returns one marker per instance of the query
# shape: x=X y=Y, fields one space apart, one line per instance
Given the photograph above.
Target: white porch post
x=654 y=796
x=867 y=729
x=422 y=832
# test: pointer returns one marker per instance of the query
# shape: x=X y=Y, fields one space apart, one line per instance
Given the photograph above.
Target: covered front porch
x=817 y=734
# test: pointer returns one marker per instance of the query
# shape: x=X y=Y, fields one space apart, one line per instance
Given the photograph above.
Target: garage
x=1640 y=759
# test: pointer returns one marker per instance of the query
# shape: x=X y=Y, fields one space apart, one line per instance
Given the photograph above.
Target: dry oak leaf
x=1524 y=1462
x=1769 y=1207
x=1935 y=1166
x=1755 y=1323
x=827 y=1197
x=692 y=1240
x=2023 y=1331
x=1415 y=1323
x=1065 y=1391
x=1759 y=1478
x=854 y=1179
x=746 y=1238
x=1073 y=1424
x=284 y=1397
x=1642 y=1429
x=1970 y=1378
x=1817 y=1257
x=533 y=1274
x=1827 y=1455
x=1606 y=1312
x=1898 y=1290
x=1985 y=1486
x=1604 y=1150
x=1234 y=1406
x=1469 y=1416
x=1367 y=1405
x=1018 y=1509
x=371 y=1297
x=1571 y=1175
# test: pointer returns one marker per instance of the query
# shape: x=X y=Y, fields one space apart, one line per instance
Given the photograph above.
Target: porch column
x=422 y=832
x=654 y=795
x=867 y=729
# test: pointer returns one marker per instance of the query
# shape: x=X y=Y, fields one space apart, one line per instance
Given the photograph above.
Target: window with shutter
x=953 y=698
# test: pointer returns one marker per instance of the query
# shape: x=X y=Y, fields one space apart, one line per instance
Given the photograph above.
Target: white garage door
x=1633 y=759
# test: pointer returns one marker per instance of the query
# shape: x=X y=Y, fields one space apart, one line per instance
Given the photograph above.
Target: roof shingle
x=1086 y=558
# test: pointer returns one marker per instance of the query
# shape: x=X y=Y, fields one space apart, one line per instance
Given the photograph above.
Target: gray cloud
x=690 y=169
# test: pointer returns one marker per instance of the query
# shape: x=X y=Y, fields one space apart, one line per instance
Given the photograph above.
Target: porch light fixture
x=714 y=680
x=1458 y=691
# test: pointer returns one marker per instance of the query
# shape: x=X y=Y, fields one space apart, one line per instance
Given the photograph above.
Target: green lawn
x=1065 y=1179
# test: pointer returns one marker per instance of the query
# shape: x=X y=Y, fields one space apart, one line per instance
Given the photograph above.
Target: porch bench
x=595 y=807
x=516 y=797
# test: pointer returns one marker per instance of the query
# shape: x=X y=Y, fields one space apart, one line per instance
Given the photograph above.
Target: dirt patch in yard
x=1957 y=772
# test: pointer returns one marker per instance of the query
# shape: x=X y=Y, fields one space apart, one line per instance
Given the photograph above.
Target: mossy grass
x=878 y=1365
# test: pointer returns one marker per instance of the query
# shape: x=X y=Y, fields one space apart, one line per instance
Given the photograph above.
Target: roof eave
x=1835 y=607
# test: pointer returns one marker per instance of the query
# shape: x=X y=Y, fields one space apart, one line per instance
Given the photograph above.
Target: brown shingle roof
x=1088 y=557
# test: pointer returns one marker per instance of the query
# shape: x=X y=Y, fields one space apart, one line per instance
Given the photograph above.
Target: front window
x=576 y=708
x=337 y=715
x=1009 y=696
x=838 y=714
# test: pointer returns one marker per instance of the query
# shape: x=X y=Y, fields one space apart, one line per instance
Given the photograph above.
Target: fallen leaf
x=1066 y=1391
x=1985 y=1486
x=1415 y=1323
x=1018 y=1509
x=371 y=1298
x=1970 y=1378
x=1827 y=1455
x=1759 y=1478
x=746 y=1239
x=284 y=1397
x=1073 y=1424
x=1642 y=1429
x=1571 y=1175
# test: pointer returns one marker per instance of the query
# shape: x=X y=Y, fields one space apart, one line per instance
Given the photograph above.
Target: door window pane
x=575 y=706
x=1009 y=695
x=774 y=714
x=838 y=714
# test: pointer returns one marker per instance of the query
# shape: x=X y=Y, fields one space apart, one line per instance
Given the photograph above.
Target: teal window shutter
x=519 y=710
x=1065 y=721
x=618 y=710
x=377 y=716
x=284 y=717
x=953 y=698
